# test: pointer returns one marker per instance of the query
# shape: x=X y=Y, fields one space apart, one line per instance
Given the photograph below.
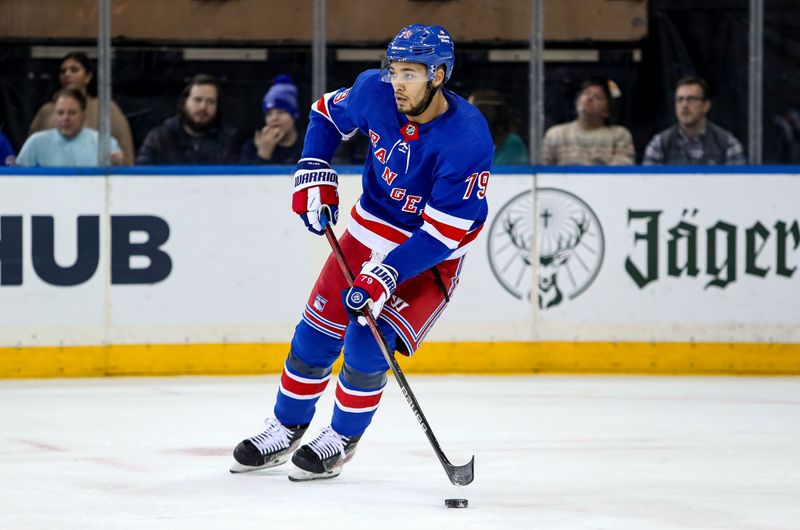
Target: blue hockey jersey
x=423 y=185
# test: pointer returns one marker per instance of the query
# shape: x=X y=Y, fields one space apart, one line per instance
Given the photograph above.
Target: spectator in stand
x=694 y=139
x=69 y=144
x=195 y=135
x=76 y=72
x=590 y=139
x=278 y=142
x=787 y=125
x=6 y=151
x=509 y=149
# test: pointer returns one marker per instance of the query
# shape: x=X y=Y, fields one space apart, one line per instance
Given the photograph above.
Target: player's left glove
x=315 y=194
x=373 y=286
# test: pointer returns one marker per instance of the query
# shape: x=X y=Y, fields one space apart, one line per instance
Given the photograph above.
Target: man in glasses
x=694 y=140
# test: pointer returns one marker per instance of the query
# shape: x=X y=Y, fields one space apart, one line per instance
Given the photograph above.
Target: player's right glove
x=315 y=193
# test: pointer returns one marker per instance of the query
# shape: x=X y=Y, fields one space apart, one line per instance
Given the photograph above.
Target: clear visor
x=404 y=72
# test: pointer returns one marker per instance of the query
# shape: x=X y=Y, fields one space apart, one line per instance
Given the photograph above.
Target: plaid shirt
x=692 y=150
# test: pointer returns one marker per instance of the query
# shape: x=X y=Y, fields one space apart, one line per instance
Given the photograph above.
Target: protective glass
x=404 y=72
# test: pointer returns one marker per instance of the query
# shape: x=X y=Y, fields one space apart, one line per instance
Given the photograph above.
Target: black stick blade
x=462 y=475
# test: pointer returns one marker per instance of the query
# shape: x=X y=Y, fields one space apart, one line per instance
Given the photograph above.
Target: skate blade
x=241 y=468
x=300 y=475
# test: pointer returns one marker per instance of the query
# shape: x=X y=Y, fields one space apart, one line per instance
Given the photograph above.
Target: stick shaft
x=460 y=475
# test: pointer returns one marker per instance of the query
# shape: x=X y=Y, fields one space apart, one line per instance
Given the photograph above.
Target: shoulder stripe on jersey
x=321 y=106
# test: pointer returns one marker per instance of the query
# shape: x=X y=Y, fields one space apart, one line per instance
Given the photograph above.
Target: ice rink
x=550 y=453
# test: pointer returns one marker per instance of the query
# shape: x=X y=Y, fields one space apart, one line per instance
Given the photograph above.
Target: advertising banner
x=672 y=256
x=139 y=259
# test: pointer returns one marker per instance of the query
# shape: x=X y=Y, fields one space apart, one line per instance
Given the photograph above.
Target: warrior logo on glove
x=374 y=285
x=315 y=194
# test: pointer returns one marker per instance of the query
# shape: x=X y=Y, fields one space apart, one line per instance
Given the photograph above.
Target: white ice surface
x=551 y=453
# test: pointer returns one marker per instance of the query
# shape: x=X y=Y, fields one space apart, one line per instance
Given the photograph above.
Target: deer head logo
x=571 y=246
x=551 y=260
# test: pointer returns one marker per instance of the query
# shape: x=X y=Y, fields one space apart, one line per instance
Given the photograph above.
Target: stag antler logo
x=571 y=246
x=552 y=259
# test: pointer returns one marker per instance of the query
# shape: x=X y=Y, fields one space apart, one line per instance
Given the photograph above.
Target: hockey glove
x=315 y=193
x=373 y=286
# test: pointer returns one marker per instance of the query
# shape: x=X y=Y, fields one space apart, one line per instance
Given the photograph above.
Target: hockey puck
x=456 y=503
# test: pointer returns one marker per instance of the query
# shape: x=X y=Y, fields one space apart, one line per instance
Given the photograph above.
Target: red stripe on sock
x=354 y=401
x=300 y=388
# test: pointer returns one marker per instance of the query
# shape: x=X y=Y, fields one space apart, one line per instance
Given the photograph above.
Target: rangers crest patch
x=319 y=303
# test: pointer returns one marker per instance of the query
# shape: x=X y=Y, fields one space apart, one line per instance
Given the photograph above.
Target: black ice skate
x=323 y=457
x=269 y=449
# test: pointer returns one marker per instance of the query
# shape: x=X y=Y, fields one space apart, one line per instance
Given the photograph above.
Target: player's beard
x=427 y=97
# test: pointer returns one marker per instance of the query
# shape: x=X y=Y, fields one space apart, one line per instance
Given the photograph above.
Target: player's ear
x=438 y=77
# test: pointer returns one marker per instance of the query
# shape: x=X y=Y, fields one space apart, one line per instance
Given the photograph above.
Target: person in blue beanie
x=278 y=141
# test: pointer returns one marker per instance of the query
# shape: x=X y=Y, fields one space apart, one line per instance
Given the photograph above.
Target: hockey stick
x=458 y=475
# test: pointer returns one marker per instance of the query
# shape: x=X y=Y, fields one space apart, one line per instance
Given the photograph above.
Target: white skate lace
x=327 y=444
x=275 y=438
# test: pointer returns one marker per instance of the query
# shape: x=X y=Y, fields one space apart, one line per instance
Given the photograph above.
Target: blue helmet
x=428 y=45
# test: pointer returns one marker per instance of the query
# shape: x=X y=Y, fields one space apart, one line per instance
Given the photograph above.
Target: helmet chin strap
x=431 y=93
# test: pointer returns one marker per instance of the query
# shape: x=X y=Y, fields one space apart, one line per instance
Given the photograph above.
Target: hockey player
x=423 y=202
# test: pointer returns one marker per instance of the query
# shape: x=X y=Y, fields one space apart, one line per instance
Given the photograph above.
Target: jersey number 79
x=482 y=180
